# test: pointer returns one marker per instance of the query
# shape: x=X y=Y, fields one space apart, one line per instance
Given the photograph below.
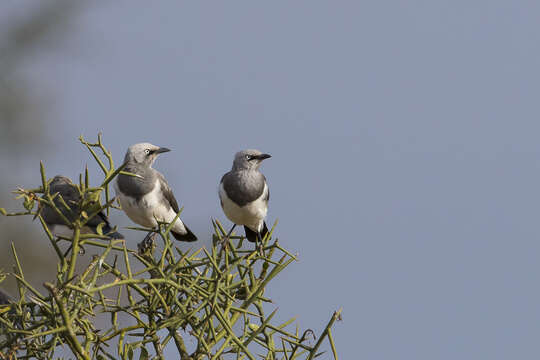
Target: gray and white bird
x=244 y=194
x=65 y=188
x=147 y=198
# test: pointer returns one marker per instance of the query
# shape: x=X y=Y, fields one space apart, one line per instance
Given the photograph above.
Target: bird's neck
x=137 y=165
x=239 y=169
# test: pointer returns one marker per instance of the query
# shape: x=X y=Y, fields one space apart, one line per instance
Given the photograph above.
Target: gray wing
x=98 y=219
x=65 y=188
x=71 y=197
x=167 y=192
x=267 y=195
x=169 y=197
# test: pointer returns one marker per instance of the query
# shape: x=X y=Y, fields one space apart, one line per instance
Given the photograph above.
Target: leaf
x=93 y=197
x=3 y=211
x=28 y=203
x=99 y=228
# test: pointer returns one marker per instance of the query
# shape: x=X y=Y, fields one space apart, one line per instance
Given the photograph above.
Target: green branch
x=215 y=295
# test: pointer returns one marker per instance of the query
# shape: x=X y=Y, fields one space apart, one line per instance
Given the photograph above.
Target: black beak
x=263 y=156
x=161 y=150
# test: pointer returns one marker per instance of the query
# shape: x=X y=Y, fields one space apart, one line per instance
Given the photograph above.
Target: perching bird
x=147 y=197
x=65 y=188
x=244 y=194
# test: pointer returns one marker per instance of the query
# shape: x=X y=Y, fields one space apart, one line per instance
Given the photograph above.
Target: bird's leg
x=147 y=242
x=148 y=237
x=225 y=240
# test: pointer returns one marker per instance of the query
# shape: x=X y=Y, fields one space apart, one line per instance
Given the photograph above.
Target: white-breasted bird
x=147 y=198
x=244 y=194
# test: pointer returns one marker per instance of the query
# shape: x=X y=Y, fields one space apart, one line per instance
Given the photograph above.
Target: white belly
x=149 y=209
x=251 y=215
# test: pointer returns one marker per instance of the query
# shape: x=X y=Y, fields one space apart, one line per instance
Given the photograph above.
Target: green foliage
x=152 y=297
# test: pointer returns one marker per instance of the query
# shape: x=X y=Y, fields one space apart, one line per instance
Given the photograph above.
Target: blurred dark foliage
x=29 y=31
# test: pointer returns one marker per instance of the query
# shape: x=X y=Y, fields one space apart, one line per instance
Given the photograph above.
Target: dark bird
x=65 y=188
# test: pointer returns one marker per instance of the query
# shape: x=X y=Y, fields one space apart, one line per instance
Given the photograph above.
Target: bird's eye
x=147 y=151
x=248 y=157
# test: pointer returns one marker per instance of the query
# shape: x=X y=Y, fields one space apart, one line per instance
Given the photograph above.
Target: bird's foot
x=147 y=243
x=260 y=248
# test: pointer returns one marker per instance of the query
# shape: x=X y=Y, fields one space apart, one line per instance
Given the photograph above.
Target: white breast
x=149 y=208
x=251 y=215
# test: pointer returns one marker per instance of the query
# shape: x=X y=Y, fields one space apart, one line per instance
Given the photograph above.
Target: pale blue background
x=404 y=136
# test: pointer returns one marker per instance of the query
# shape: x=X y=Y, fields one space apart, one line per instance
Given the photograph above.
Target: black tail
x=107 y=230
x=116 y=235
x=94 y=222
x=252 y=235
x=189 y=236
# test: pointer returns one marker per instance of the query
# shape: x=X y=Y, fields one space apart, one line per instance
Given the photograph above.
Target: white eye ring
x=147 y=151
x=248 y=157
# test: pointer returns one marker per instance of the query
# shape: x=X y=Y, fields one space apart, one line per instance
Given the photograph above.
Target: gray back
x=65 y=188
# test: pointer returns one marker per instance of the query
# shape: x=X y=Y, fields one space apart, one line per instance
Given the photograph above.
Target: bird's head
x=60 y=180
x=249 y=159
x=144 y=153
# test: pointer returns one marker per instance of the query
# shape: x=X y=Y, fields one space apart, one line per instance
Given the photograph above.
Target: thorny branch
x=213 y=296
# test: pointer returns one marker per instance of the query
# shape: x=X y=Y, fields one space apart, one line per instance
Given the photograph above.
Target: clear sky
x=404 y=137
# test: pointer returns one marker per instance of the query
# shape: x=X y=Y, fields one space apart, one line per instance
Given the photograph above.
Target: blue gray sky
x=404 y=137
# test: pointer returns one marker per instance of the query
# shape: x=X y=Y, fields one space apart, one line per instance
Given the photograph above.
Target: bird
x=72 y=198
x=146 y=198
x=244 y=195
